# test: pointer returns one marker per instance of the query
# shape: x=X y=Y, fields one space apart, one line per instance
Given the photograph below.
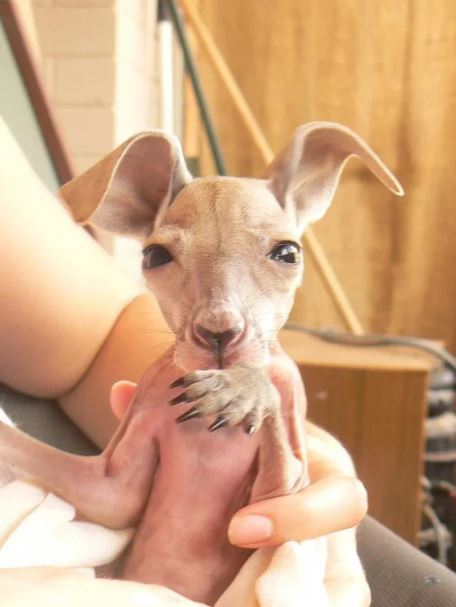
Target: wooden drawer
x=374 y=401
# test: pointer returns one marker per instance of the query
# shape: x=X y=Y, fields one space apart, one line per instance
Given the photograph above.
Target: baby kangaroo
x=223 y=257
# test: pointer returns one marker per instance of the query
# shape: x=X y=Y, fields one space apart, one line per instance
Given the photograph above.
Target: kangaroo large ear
x=125 y=191
x=305 y=175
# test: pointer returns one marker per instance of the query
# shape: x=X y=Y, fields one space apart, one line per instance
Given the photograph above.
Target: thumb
x=120 y=398
x=328 y=505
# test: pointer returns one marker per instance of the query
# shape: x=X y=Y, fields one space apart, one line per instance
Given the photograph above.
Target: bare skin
x=331 y=476
x=97 y=470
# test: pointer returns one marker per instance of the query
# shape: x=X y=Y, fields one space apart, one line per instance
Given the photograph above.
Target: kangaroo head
x=221 y=254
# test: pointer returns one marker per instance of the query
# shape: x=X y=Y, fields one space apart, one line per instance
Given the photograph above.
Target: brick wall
x=97 y=59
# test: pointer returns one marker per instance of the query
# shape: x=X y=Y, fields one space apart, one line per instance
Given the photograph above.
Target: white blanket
x=38 y=529
x=44 y=552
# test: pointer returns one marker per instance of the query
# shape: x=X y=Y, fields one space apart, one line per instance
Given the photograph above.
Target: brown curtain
x=388 y=70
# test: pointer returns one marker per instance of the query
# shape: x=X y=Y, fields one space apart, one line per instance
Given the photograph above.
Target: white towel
x=43 y=550
x=38 y=529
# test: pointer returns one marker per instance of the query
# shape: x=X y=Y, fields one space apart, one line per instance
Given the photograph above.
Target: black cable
x=196 y=83
x=439 y=530
x=377 y=340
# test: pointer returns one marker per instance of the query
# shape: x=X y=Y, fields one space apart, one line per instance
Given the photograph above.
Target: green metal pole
x=196 y=83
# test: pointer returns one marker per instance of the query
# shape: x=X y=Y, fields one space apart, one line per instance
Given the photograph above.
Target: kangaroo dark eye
x=155 y=255
x=287 y=252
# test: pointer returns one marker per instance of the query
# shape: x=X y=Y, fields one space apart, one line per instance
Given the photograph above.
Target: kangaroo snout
x=218 y=331
x=215 y=341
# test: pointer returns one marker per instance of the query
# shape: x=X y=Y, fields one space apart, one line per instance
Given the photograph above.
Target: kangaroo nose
x=215 y=340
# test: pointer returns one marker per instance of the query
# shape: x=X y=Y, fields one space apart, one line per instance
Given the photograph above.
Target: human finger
x=328 y=505
x=120 y=398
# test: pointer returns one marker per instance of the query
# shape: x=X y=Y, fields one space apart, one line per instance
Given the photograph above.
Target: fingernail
x=250 y=529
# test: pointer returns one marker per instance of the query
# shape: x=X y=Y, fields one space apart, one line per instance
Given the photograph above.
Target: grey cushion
x=399 y=575
x=43 y=419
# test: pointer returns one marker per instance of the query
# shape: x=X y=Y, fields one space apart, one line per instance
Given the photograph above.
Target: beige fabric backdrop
x=388 y=70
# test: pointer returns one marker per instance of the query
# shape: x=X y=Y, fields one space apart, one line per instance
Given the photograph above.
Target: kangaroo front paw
x=239 y=394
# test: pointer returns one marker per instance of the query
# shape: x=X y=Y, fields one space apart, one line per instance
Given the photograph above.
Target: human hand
x=332 y=505
x=334 y=500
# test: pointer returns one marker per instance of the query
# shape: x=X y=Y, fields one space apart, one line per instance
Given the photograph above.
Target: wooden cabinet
x=373 y=399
